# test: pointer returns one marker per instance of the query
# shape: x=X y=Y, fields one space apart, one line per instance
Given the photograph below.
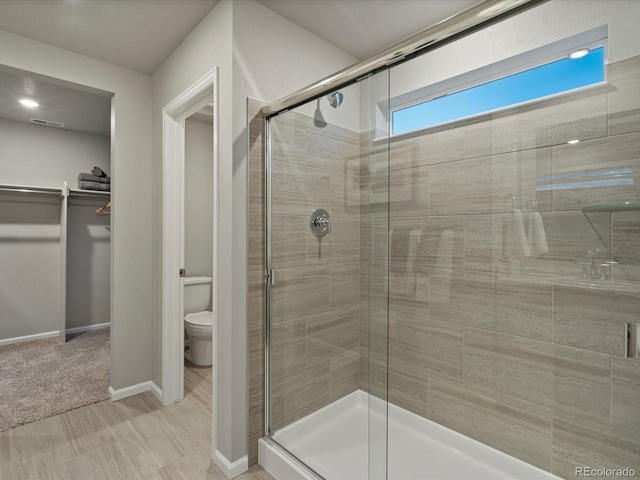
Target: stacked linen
x=96 y=180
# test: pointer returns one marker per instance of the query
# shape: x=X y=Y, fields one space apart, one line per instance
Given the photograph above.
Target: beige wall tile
x=578 y=442
x=564 y=378
x=344 y=374
x=614 y=159
x=592 y=316
x=288 y=241
x=624 y=100
x=480 y=185
x=431 y=242
x=522 y=306
x=345 y=285
x=625 y=395
x=409 y=192
x=543 y=124
x=461 y=187
x=345 y=195
x=439 y=145
x=465 y=298
x=345 y=240
x=298 y=189
x=408 y=386
x=255 y=252
x=425 y=344
x=626 y=237
x=300 y=292
x=288 y=348
x=298 y=394
x=331 y=334
x=516 y=426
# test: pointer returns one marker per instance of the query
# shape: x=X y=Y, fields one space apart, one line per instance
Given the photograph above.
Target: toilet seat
x=201 y=319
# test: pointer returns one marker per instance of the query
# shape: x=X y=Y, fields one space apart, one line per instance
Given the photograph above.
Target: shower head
x=335 y=99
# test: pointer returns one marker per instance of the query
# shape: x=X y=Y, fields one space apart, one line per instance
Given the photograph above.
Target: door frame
x=173 y=158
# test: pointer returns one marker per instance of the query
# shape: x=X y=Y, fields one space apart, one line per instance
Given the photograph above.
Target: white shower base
x=334 y=441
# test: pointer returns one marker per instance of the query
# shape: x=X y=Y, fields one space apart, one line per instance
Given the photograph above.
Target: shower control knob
x=320 y=222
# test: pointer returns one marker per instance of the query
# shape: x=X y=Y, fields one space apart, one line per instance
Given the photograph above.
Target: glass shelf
x=612 y=207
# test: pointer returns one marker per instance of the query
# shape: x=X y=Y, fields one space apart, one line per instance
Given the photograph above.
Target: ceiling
x=75 y=107
x=141 y=34
x=364 y=27
x=135 y=34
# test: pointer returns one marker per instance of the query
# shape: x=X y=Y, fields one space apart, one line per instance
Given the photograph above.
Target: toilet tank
x=197 y=294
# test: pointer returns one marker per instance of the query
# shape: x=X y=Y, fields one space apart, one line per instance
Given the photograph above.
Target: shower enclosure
x=455 y=295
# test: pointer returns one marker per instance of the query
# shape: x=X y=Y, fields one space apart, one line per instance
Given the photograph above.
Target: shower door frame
x=466 y=22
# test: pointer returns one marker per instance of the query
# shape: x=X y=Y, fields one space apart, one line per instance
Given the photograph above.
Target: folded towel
x=98 y=172
x=102 y=187
x=515 y=239
x=87 y=177
x=536 y=237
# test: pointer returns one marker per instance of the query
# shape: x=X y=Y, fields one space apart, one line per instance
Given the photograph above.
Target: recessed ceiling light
x=29 y=103
x=579 y=53
x=573 y=142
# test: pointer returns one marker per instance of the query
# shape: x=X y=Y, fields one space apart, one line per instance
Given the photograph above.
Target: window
x=542 y=81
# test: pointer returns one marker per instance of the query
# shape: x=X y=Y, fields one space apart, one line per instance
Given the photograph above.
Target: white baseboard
x=55 y=333
x=135 y=390
x=97 y=326
x=231 y=470
x=29 y=338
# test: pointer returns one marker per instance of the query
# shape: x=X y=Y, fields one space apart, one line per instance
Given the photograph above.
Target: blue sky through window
x=556 y=77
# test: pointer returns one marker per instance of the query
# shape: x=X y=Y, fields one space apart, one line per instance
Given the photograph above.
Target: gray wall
x=198 y=198
x=30 y=238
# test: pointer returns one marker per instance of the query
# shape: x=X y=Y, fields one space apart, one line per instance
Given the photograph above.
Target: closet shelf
x=31 y=189
x=74 y=192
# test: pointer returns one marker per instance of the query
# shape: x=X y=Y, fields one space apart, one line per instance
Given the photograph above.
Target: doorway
x=201 y=95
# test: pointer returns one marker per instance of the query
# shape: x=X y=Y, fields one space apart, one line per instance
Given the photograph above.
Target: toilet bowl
x=198 y=321
x=199 y=328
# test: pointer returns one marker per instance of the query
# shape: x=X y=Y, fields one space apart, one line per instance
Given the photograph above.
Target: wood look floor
x=135 y=438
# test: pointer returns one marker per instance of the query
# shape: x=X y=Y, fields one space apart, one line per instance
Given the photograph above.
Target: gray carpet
x=44 y=378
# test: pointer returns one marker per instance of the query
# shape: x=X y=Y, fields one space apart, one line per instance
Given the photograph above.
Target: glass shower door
x=325 y=352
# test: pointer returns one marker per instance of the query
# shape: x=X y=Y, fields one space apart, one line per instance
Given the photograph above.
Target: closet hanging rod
x=30 y=189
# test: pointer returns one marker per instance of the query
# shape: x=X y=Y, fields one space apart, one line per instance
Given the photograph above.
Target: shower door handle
x=270 y=276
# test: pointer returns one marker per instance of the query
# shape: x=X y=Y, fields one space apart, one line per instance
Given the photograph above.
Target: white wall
x=88 y=261
x=30 y=239
x=131 y=236
x=35 y=155
x=556 y=20
x=29 y=265
x=259 y=54
x=198 y=198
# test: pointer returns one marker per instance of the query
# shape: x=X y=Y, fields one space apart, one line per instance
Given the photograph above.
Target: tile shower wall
x=494 y=331
x=315 y=302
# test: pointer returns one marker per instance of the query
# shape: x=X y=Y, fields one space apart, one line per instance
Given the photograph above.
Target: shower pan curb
x=328 y=440
x=279 y=463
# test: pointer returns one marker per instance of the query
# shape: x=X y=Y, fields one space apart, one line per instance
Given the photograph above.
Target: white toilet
x=198 y=321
